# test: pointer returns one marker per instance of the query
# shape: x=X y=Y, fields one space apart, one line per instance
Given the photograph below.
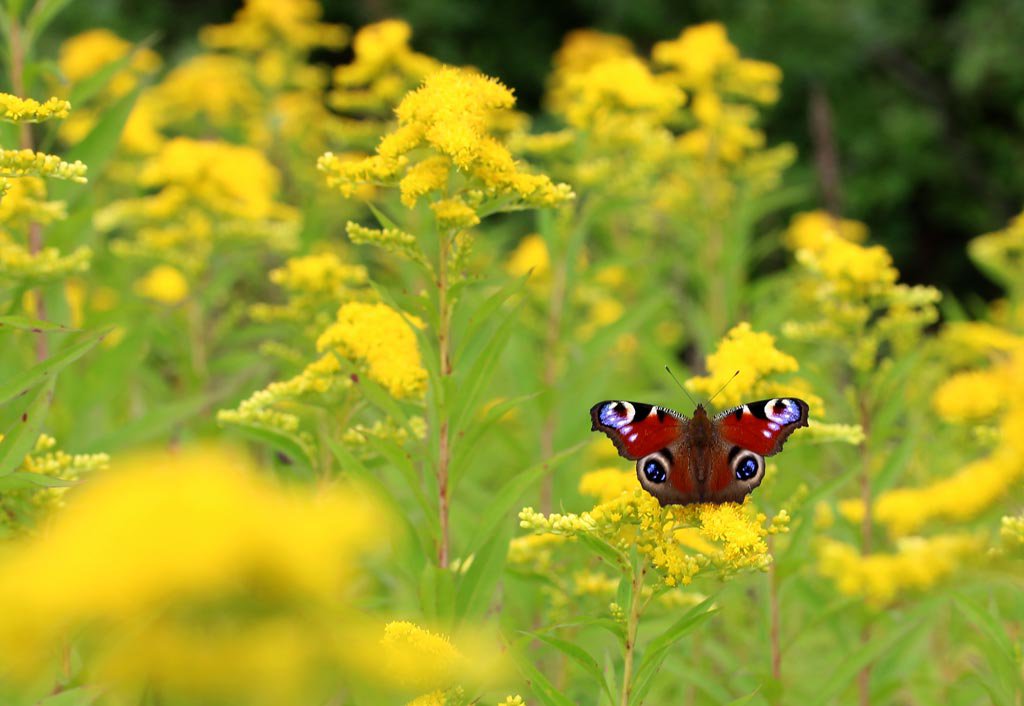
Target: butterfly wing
x=762 y=426
x=655 y=438
x=745 y=435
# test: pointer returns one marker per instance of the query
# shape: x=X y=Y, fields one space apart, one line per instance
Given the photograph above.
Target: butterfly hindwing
x=637 y=429
x=666 y=474
x=762 y=426
x=734 y=472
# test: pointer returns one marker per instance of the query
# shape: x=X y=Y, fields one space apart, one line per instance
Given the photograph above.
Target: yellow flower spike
x=377 y=335
x=454 y=213
x=259 y=23
x=750 y=352
x=607 y=483
x=515 y=700
x=390 y=240
x=424 y=177
x=186 y=538
x=621 y=84
x=26 y=110
x=698 y=53
x=418 y=658
x=163 y=284
x=918 y=564
x=809 y=229
x=19 y=163
x=971 y=396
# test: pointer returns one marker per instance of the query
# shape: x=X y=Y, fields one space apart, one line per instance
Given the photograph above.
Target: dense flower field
x=297 y=363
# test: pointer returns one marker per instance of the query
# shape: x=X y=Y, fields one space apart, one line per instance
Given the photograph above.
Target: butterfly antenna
x=724 y=386
x=685 y=392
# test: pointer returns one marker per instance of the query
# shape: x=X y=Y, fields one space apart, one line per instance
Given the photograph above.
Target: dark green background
x=927 y=98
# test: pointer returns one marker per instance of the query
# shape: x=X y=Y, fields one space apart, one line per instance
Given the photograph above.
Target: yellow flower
x=382 y=50
x=607 y=483
x=418 y=658
x=616 y=84
x=85 y=54
x=698 y=53
x=235 y=179
x=454 y=213
x=212 y=86
x=185 y=539
x=322 y=272
x=378 y=336
x=971 y=396
x=452 y=113
x=751 y=353
x=259 y=22
x=918 y=564
x=727 y=537
x=26 y=110
x=807 y=230
x=530 y=255
x=163 y=284
x=18 y=163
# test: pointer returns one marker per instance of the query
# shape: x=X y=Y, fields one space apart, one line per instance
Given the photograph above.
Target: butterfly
x=704 y=459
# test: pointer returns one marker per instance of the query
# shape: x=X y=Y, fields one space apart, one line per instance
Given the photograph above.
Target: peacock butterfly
x=681 y=461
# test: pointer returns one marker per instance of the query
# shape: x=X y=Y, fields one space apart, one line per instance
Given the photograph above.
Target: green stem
x=632 y=624
x=864 y=676
x=35 y=230
x=444 y=453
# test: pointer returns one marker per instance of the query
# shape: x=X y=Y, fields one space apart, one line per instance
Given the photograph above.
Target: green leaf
x=484 y=314
x=476 y=588
x=287 y=443
x=861 y=655
x=97 y=148
x=496 y=512
x=76 y=696
x=21 y=438
x=541 y=686
x=25 y=323
x=659 y=648
x=580 y=656
x=157 y=422
x=42 y=14
x=474 y=384
x=48 y=369
x=21 y=480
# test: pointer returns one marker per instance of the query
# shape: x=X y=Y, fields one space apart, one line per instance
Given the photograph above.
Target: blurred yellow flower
x=918 y=564
x=85 y=54
x=808 y=229
x=419 y=659
x=379 y=337
x=753 y=354
x=606 y=484
x=190 y=573
x=259 y=23
x=971 y=396
x=163 y=284
x=530 y=255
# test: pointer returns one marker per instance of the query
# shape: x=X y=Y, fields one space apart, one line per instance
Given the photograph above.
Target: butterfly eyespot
x=654 y=472
x=746 y=465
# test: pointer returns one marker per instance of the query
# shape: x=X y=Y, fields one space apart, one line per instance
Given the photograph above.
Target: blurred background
x=908 y=116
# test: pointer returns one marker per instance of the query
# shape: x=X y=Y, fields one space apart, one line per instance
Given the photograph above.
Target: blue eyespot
x=654 y=472
x=746 y=468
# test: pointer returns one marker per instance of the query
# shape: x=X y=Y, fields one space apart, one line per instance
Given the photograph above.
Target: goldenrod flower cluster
x=383 y=69
x=210 y=195
x=854 y=293
x=26 y=110
x=262 y=23
x=377 y=336
x=449 y=114
x=20 y=163
x=917 y=565
x=213 y=581
x=679 y=541
x=752 y=354
x=53 y=472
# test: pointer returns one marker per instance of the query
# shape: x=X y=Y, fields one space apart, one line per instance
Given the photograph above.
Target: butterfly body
x=701 y=459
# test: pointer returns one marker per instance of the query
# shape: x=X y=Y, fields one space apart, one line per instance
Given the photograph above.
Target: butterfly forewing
x=762 y=426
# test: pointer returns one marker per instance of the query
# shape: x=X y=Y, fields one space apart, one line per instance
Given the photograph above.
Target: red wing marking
x=637 y=429
x=762 y=426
